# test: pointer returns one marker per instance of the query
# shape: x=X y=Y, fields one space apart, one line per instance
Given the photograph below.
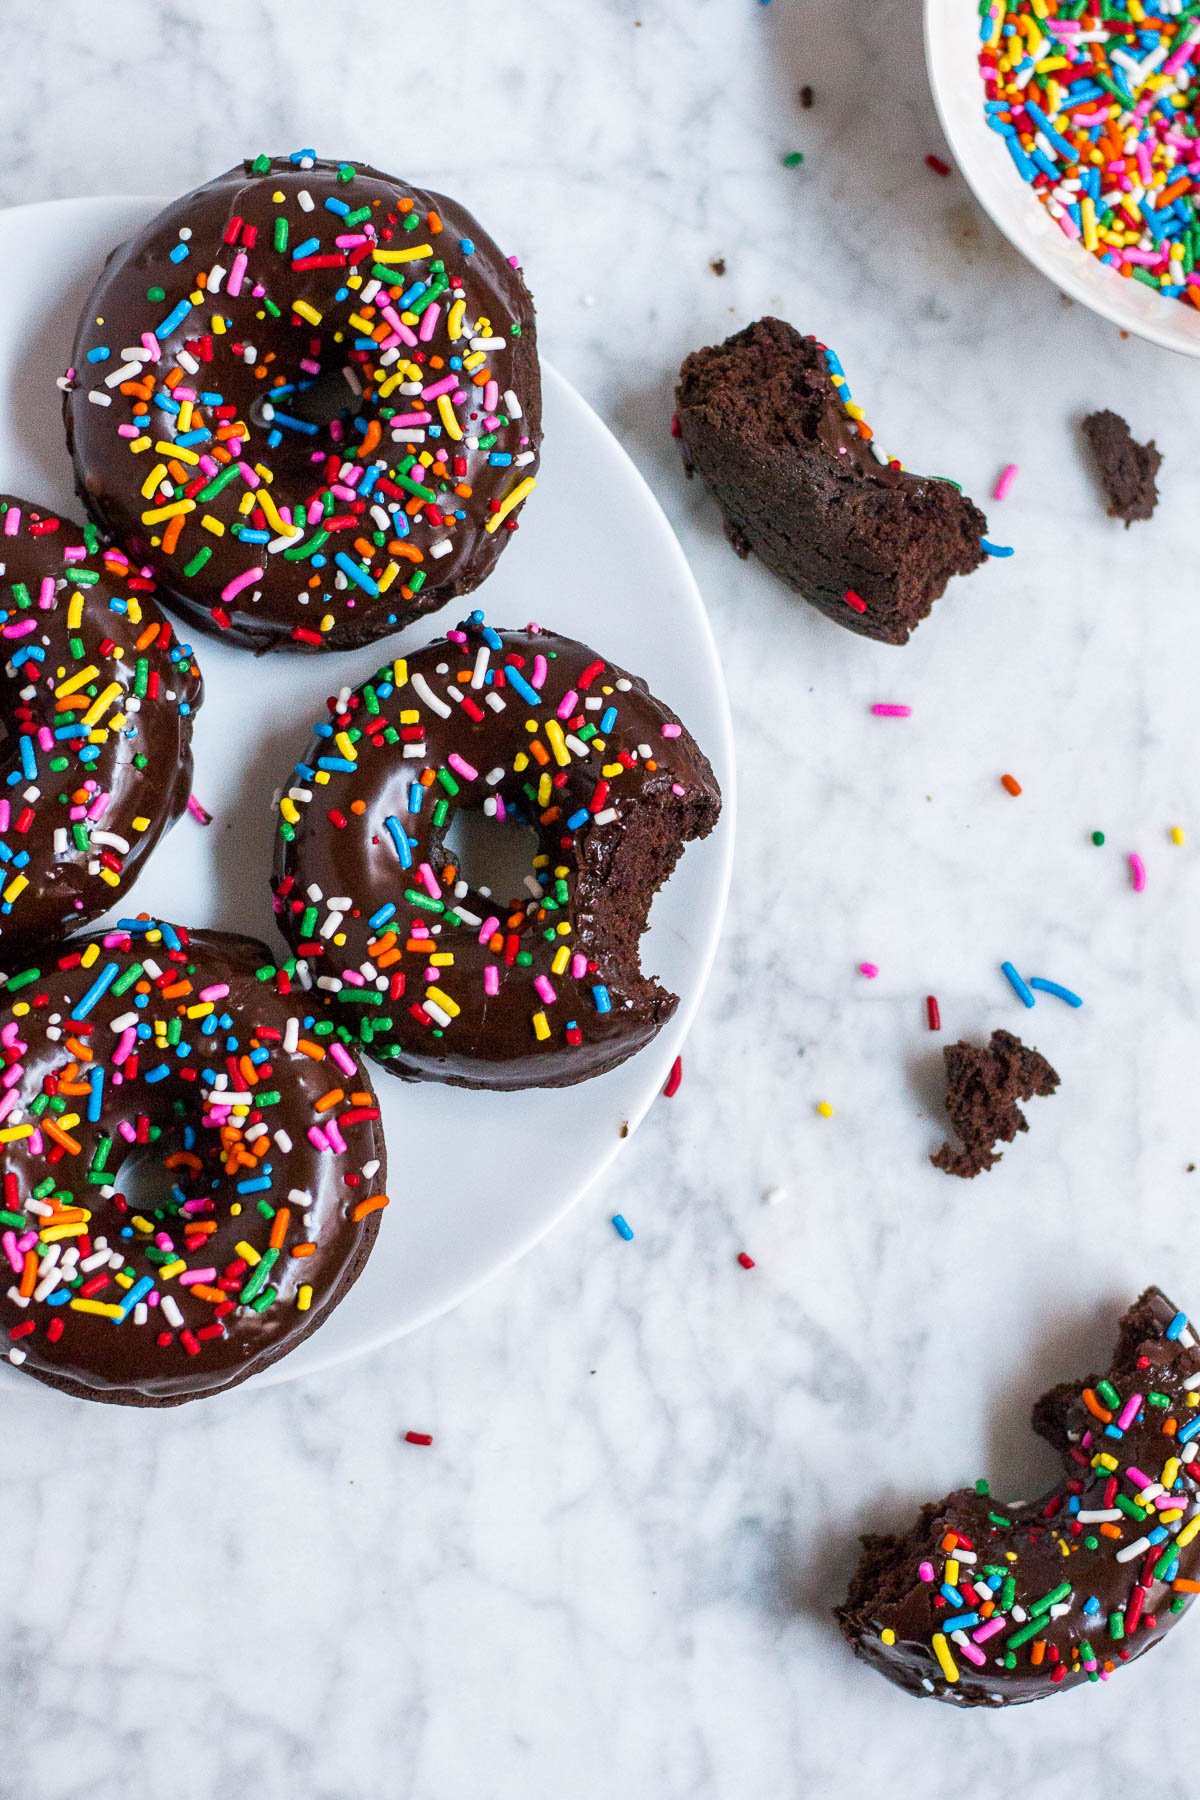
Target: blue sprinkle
x=1052 y=987
x=173 y=319
x=600 y=996
x=100 y=986
x=179 y=253
x=100 y=354
x=379 y=919
x=608 y=719
x=259 y=1184
x=159 y=1074
x=1019 y=987
x=995 y=549
x=577 y=819
x=357 y=574
x=399 y=838
x=29 y=760
x=466 y=246
x=1187 y=1432
x=308 y=248
x=519 y=684
x=137 y=1292
x=623 y=1227
x=1177 y=1327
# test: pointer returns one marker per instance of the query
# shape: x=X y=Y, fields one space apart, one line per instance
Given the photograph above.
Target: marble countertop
x=612 y=1571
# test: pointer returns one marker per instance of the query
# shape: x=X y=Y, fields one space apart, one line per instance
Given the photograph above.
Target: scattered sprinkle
x=806 y=96
x=1010 y=784
x=937 y=164
x=674 y=1079
x=870 y=970
x=1019 y=987
x=199 y=812
x=1004 y=481
x=854 y=601
x=825 y=1110
x=990 y=549
x=622 y=1226
x=886 y=710
x=1137 y=870
x=1052 y=987
x=793 y=159
x=417 y=1437
x=1177 y=835
x=1097 y=838
x=933 y=1012
x=747 y=1262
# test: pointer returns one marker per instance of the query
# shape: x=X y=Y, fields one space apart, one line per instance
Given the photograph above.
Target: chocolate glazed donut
x=440 y=979
x=307 y=395
x=191 y=1052
x=987 y=1604
x=97 y=698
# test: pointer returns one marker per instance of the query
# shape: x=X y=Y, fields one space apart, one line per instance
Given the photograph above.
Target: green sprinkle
x=793 y=159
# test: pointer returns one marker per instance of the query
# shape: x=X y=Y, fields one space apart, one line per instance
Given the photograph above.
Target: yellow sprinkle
x=287 y=807
x=446 y=412
x=1177 y=831
x=248 y=1253
x=887 y=1635
x=74 y=682
x=141 y=823
x=825 y=1110
x=11 y=1133
x=941 y=1649
x=305 y=311
x=158 y=513
x=177 y=451
x=200 y=1012
x=558 y=743
x=400 y=672
x=389 y=575
x=150 y=485
x=16 y=887
x=560 y=959
x=102 y=702
x=168 y=1271
x=91 y=955
x=541 y=1026
x=512 y=499
x=304 y=1298
x=213 y=525
x=1189 y=1531
x=411 y=254
x=103 y=1308
x=455 y=319
x=442 y=999
x=75 y=611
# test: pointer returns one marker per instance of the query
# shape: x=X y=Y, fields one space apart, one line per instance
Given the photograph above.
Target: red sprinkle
x=855 y=600
x=937 y=165
x=675 y=426
x=674 y=1079
x=417 y=1437
x=933 y=1012
x=747 y=1262
x=1011 y=783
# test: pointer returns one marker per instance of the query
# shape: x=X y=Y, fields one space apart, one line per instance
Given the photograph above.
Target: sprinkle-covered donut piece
x=308 y=396
x=984 y=1604
x=97 y=697
x=193 y=1053
x=436 y=976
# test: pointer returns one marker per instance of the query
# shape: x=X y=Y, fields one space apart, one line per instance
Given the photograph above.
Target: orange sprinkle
x=1011 y=783
x=375 y=1203
x=279 y=1227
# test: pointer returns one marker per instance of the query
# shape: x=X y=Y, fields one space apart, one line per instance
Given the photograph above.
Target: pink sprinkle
x=462 y=767
x=317 y=1138
x=671 y=731
x=1004 y=481
x=341 y=1056
x=1137 y=869
x=925 y=1571
x=429 y=881
x=883 y=711
x=491 y=979
x=12 y=521
x=216 y=991
x=870 y=970
x=568 y=703
x=989 y=1629
x=538 y=678
x=234 y=587
x=1128 y=1412
x=972 y=1654
x=199 y=812
x=545 y=990
x=487 y=928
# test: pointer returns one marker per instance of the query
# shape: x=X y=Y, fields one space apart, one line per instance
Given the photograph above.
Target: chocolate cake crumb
x=1126 y=468
x=797 y=475
x=806 y=96
x=983 y=1086
x=717 y=265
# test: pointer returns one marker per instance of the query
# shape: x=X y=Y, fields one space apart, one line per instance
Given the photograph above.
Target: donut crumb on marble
x=1126 y=468
x=983 y=1086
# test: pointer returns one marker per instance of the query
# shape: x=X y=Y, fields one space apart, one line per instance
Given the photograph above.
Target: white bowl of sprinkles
x=955 y=31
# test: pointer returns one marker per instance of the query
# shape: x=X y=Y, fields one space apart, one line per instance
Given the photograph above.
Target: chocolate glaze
x=70 y=609
x=266 y=614
x=634 y=804
x=1045 y=1549
x=43 y=1020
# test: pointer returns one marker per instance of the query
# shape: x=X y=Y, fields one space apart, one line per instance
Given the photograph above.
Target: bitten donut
x=985 y=1603
x=97 y=698
x=444 y=980
x=191 y=1053
x=307 y=395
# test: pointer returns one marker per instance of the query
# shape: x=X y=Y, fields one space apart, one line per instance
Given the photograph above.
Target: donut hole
x=153 y=1176
x=311 y=411
x=493 y=856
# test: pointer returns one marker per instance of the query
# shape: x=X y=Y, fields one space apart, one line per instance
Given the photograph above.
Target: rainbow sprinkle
x=1096 y=103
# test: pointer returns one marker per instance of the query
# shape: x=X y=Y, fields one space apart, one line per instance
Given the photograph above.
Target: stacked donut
x=304 y=409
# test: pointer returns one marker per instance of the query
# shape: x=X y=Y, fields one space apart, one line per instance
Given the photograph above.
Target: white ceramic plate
x=951 y=52
x=475 y=1178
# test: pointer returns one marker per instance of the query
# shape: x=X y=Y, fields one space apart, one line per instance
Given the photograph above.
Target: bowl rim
x=1079 y=275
